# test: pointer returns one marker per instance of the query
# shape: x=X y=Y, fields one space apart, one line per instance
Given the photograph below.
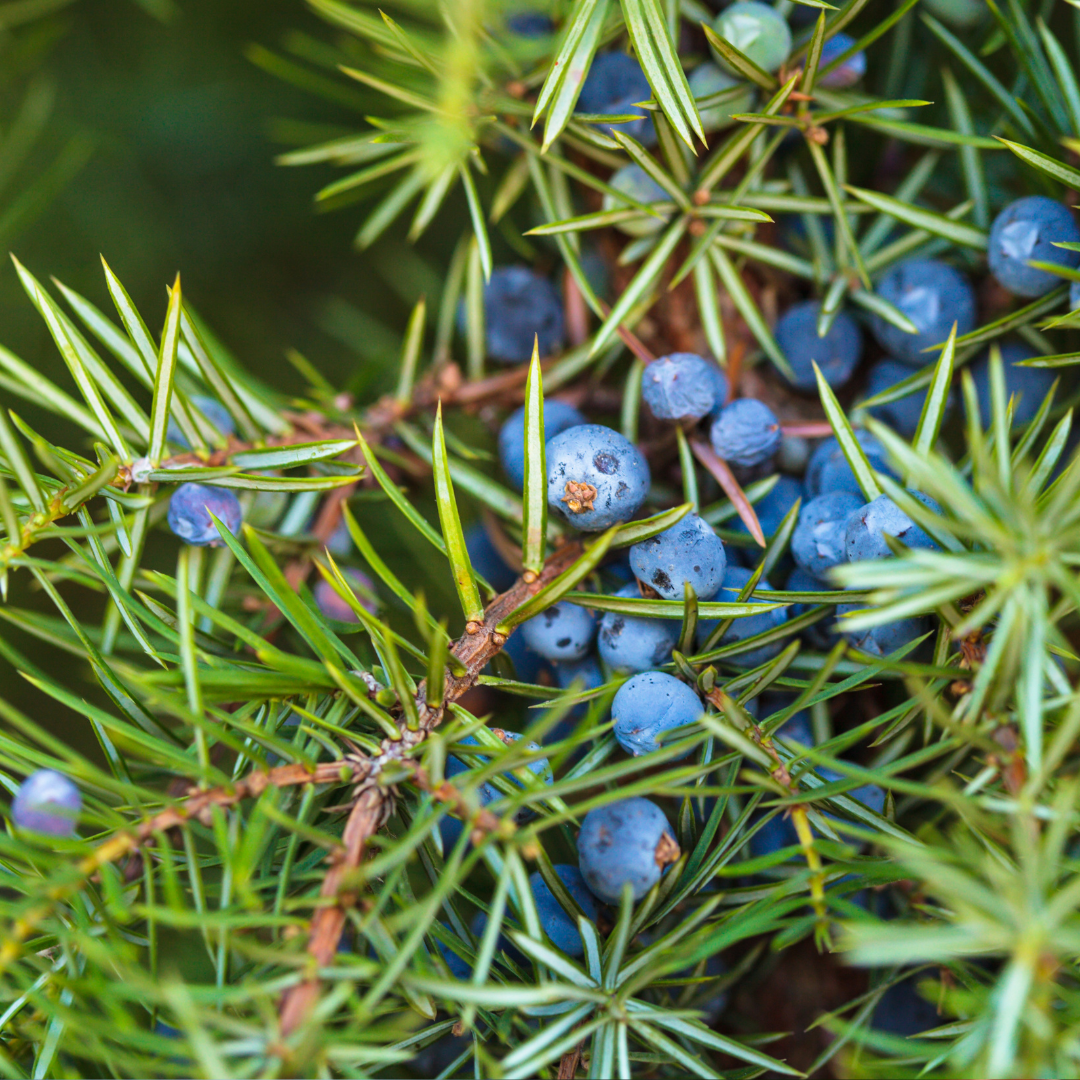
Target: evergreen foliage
x=263 y=881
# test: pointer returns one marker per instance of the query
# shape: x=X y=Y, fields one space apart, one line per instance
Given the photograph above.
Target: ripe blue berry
x=628 y=643
x=190 y=508
x=828 y=468
x=933 y=295
x=817 y=543
x=579 y=675
x=679 y=387
x=637 y=184
x=487 y=793
x=530 y=24
x=332 y=605
x=837 y=353
x=720 y=389
x=649 y=704
x=518 y=304
x=529 y=667
x=616 y=83
x=213 y=410
x=596 y=477
x=746 y=627
x=746 y=433
x=884 y=639
x=48 y=803
x=478 y=924
x=486 y=559
x=559 y=925
x=687 y=552
x=587 y=673
x=563 y=631
x=850 y=71
x=558 y=416
x=1027 y=230
x=903 y=1011
x=626 y=842
x=903 y=414
x=459 y=967
x=757 y=31
x=865 y=529
x=822 y=634
x=1026 y=385
x=705 y=81
x=1074 y=296
x=773 y=506
x=779 y=832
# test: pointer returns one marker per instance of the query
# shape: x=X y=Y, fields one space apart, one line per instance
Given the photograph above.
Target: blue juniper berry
x=747 y=626
x=519 y=305
x=596 y=477
x=631 y=643
x=47 y=803
x=865 y=528
x=903 y=414
x=334 y=607
x=1027 y=386
x=934 y=296
x=836 y=354
x=487 y=793
x=849 y=72
x=746 y=433
x=190 y=507
x=817 y=543
x=883 y=639
x=649 y=704
x=773 y=506
x=681 y=386
x=687 y=552
x=615 y=84
x=634 y=182
x=563 y=631
x=213 y=410
x=828 y=468
x=1027 y=230
x=625 y=842
x=559 y=925
x=558 y=417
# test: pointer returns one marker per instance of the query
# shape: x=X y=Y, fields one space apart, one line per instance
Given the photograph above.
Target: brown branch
x=198 y=807
x=374 y=804
x=723 y=475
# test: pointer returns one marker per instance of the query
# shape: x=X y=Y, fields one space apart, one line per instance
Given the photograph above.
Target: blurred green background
x=179 y=130
x=183 y=132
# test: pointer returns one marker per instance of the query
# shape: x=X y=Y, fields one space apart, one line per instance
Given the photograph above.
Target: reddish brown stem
x=718 y=467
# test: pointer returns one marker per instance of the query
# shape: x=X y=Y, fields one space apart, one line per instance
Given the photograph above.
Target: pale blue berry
x=558 y=416
x=559 y=924
x=818 y=542
x=596 y=477
x=746 y=433
x=630 y=643
x=625 y=843
x=1027 y=230
x=650 y=704
x=563 y=631
x=681 y=386
x=190 y=508
x=687 y=552
x=48 y=803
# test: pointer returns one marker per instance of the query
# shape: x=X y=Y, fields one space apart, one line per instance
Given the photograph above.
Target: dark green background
x=184 y=130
